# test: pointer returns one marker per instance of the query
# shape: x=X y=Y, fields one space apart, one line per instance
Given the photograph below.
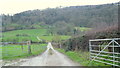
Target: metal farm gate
x=105 y=51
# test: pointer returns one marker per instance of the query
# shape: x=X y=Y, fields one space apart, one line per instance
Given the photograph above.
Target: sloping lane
x=50 y=57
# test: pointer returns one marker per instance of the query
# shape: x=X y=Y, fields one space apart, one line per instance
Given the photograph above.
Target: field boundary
x=20 y=49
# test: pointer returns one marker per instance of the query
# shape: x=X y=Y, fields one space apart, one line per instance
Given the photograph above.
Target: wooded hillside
x=81 y=16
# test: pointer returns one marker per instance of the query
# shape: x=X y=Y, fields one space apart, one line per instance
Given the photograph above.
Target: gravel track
x=50 y=57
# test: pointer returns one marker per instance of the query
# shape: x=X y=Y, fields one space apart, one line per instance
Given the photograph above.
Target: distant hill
x=83 y=16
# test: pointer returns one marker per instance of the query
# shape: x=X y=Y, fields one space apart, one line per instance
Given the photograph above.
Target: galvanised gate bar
x=105 y=51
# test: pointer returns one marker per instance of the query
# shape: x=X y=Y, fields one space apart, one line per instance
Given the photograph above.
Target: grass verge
x=81 y=57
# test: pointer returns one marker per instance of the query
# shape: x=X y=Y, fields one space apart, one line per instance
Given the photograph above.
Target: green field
x=16 y=51
x=50 y=38
x=83 y=28
x=31 y=34
x=23 y=35
x=28 y=34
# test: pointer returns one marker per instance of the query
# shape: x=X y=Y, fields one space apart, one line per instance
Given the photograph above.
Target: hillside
x=79 y=16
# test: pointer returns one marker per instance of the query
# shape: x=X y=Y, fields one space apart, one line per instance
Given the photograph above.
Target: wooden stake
x=29 y=47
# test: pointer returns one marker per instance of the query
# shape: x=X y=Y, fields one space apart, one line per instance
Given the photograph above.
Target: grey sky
x=16 y=6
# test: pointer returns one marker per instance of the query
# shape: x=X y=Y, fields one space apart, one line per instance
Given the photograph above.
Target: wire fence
x=11 y=50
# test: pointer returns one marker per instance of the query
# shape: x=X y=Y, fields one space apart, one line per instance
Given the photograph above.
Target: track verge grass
x=81 y=57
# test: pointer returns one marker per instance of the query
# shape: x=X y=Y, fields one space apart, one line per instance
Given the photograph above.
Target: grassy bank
x=10 y=52
x=81 y=57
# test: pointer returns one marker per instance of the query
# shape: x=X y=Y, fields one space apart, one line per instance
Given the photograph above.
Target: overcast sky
x=16 y=6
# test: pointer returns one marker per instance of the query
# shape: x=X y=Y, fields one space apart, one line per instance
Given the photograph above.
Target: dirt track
x=50 y=57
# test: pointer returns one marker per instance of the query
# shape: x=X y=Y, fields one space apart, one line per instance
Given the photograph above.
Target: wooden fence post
x=22 y=47
x=29 y=47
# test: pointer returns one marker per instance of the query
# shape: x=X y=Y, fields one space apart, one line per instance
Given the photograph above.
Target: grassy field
x=50 y=38
x=83 y=28
x=81 y=57
x=10 y=52
x=31 y=34
x=20 y=35
x=28 y=34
